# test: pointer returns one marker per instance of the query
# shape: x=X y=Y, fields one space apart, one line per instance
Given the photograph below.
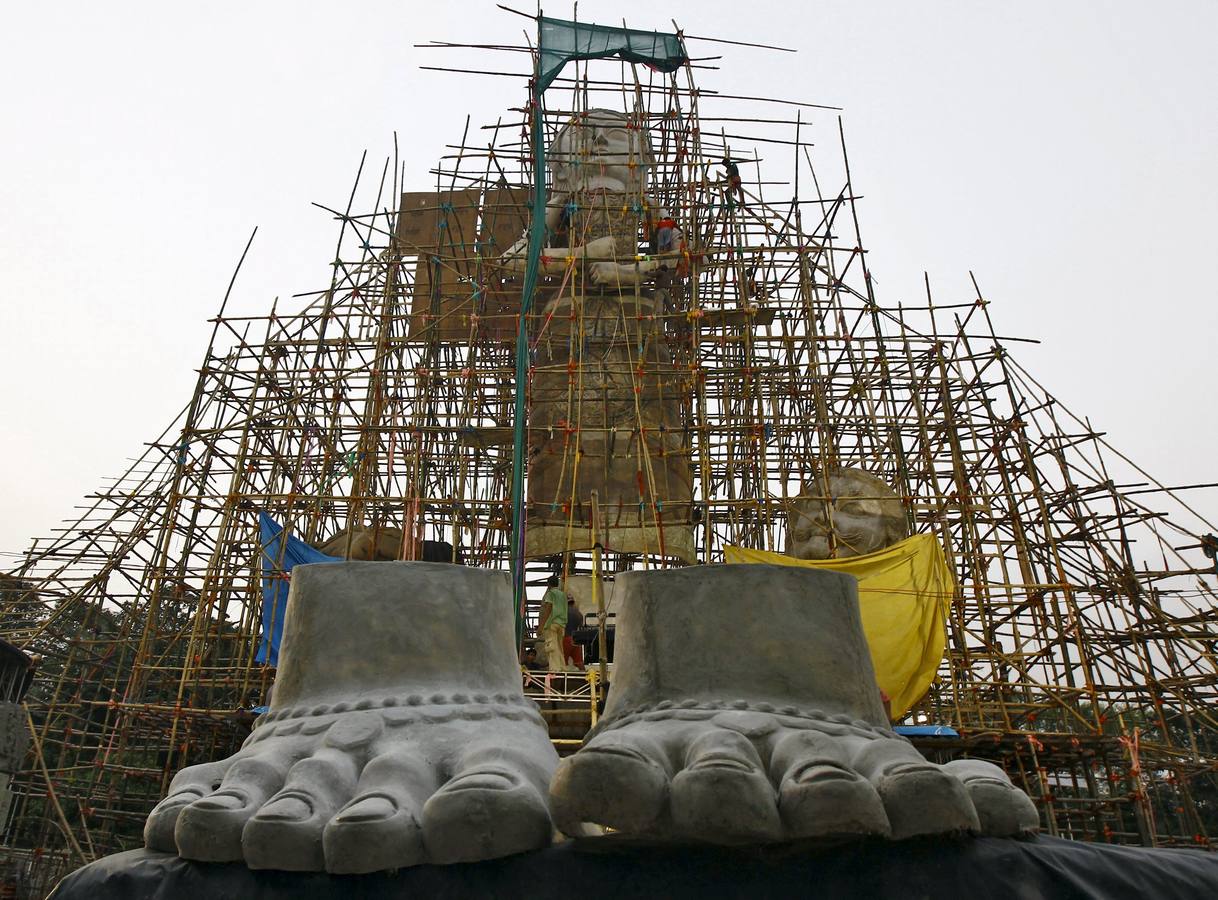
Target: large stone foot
x=398 y=735
x=702 y=742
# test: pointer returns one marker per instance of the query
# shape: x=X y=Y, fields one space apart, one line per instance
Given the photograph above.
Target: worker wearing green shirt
x=554 y=624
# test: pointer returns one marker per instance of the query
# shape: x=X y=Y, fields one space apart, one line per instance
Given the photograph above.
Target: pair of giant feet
x=398 y=737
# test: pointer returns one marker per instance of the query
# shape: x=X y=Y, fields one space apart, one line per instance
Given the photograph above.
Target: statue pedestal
x=996 y=869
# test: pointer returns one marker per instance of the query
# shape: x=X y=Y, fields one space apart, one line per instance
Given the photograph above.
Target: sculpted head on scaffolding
x=599 y=150
x=599 y=165
x=848 y=513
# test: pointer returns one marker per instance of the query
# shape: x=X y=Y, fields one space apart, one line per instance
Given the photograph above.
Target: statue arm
x=554 y=260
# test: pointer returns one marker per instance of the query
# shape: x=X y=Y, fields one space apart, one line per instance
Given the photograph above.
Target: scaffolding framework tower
x=1081 y=637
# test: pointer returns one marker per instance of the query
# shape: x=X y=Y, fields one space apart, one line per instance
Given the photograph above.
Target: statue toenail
x=290 y=808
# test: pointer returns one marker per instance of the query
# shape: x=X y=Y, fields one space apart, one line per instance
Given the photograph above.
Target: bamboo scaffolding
x=1083 y=608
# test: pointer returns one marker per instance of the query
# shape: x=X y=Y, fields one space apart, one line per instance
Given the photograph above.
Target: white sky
x=1065 y=152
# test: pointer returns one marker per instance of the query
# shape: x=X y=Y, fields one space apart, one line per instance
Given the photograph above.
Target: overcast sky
x=1065 y=152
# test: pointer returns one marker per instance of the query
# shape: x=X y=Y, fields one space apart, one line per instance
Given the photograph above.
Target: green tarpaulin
x=561 y=41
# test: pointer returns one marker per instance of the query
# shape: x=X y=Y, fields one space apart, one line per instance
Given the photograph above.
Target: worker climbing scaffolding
x=731 y=175
x=772 y=334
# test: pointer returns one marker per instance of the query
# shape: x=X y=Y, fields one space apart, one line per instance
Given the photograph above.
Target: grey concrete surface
x=398 y=733
x=14 y=737
x=744 y=710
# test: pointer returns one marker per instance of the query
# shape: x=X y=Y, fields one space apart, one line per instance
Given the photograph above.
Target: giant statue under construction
x=708 y=376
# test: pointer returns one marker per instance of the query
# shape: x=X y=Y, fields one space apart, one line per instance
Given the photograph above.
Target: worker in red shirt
x=666 y=235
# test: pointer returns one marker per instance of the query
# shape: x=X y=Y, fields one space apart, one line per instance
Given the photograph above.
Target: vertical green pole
x=537 y=233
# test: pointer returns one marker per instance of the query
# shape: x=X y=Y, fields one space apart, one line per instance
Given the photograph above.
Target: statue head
x=597 y=150
x=866 y=516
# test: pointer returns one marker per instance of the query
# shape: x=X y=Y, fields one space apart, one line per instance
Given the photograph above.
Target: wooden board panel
x=456 y=243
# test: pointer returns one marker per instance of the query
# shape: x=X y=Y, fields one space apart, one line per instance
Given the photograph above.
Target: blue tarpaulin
x=926 y=730
x=277 y=564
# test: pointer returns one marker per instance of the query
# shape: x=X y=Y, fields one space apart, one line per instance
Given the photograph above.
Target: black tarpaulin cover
x=983 y=868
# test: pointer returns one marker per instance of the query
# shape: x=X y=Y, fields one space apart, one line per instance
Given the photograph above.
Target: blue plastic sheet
x=278 y=561
x=926 y=730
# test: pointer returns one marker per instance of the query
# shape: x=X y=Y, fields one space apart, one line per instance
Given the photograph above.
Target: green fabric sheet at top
x=561 y=41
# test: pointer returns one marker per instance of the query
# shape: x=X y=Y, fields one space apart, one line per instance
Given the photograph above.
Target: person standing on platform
x=571 y=651
x=554 y=624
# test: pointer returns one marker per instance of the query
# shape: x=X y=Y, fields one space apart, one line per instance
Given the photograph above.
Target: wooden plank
x=457 y=238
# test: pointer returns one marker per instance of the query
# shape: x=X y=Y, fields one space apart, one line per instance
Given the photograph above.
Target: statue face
x=596 y=150
x=866 y=516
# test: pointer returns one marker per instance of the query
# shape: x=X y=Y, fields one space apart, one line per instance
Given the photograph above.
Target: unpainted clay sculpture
x=848 y=513
x=381 y=544
x=385 y=543
x=398 y=733
x=703 y=742
x=609 y=408
x=599 y=165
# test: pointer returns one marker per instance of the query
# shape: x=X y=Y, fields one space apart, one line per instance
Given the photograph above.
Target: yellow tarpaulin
x=904 y=595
